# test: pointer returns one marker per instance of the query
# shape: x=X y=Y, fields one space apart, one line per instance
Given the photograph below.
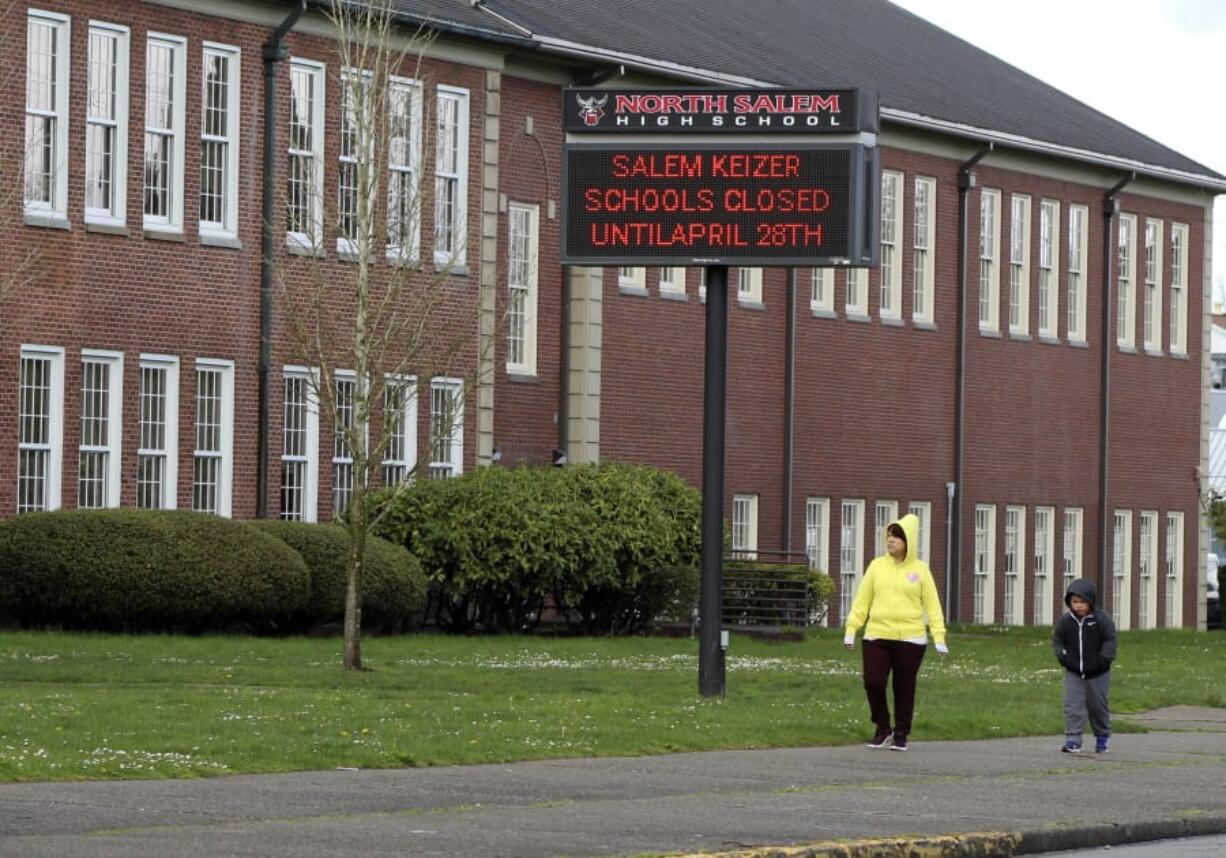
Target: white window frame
x=117 y=124
x=1078 y=265
x=817 y=533
x=309 y=457
x=890 y=268
x=632 y=279
x=672 y=281
x=168 y=496
x=404 y=173
x=400 y=453
x=923 y=511
x=112 y=447
x=1147 y=571
x=1044 y=565
x=452 y=253
x=1121 y=569
x=857 y=293
x=985 y=564
x=1049 y=267
x=453 y=466
x=1019 y=264
x=745 y=526
x=923 y=252
x=226 y=228
x=354 y=147
x=989 y=260
x=702 y=284
x=884 y=512
x=1179 y=289
x=1126 y=279
x=1174 y=570
x=171 y=221
x=310 y=239
x=344 y=398
x=821 y=291
x=1014 y=613
x=1074 y=528
x=749 y=286
x=1152 y=300
x=224 y=452
x=523 y=287
x=52 y=412
x=52 y=211
x=851 y=553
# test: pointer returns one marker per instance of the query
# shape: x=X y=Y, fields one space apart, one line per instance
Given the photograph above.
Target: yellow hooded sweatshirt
x=897 y=598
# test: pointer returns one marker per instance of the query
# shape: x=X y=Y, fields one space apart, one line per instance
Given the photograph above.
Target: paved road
x=1185 y=847
x=1023 y=791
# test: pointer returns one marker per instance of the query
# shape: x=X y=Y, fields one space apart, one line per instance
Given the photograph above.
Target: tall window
x=1015 y=565
x=1174 y=570
x=523 y=239
x=40 y=430
x=219 y=141
x=1126 y=299
x=1072 y=547
x=985 y=563
x=1153 y=285
x=891 y=244
x=1147 y=571
x=1044 y=555
x=342 y=451
x=355 y=140
x=817 y=533
x=749 y=285
x=451 y=177
x=857 y=292
x=299 y=448
x=1049 y=258
x=446 y=428
x=672 y=281
x=165 y=104
x=305 y=167
x=885 y=512
x=745 y=526
x=923 y=261
x=403 y=164
x=851 y=553
x=400 y=416
x=213 y=430
x=821 y=291
x=1121 y=569
x=1179 y=289
x=1019 y=264
x=989 y=259
x=106 y=125
x=46 y=139
x=101 y=422
x=1078 y=254
x=157 y=456
x=923 y=511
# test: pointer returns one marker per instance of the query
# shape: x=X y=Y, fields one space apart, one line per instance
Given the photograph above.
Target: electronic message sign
x=792 y=183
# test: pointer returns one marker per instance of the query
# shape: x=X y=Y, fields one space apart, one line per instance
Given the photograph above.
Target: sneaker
x=1101 y=743
x=881 y=739
x=1071 y=747
x=900 y=742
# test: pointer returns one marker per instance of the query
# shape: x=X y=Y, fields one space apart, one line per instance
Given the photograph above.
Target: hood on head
x=1084 y=588
x=910 y=526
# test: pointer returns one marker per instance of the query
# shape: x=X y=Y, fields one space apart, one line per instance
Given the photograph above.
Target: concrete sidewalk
x=1017 y=795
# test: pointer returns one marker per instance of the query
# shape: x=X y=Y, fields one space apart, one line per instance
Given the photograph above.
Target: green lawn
x=109 y=706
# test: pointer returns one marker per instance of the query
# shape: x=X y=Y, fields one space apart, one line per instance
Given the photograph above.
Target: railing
x=769 y=591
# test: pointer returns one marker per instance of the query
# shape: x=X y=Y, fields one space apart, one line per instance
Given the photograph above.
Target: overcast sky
x=1123 y=57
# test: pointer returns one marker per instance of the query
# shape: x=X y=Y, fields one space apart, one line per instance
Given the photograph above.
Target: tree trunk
x=354 y=564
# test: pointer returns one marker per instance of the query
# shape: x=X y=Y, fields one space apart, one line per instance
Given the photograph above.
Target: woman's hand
x=942 y=649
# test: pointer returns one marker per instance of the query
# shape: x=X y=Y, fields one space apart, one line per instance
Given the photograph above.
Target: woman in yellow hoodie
x=899 y=599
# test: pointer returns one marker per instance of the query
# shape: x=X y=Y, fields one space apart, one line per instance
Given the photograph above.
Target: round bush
x=146 y=570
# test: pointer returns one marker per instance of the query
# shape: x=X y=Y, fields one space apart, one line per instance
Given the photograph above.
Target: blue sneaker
x=1101 y=744
x=1071 y=747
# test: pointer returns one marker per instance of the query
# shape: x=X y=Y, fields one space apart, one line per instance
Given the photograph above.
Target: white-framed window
x=45 y=182
x=305 y=166
x=857 y=292
x=101 y=429
x=446 y=428
x=672 y=281
x=989 y=260
x=821 y=291
x=884 y=512
x=923 y=254
x=219 y=130
x=1015 y=566
x=106 y=125
x=1019 y=264
x=632 y=279
x=817 y=533
x=1078 y=257
x=890 y=272
x=749 y=286
x=213 y=437
x=1072 y=546
x=1179 y=289
x=985 y=563
x=745 y=527
x=702 y=284
x=404 y=169
x=40 y=428
x=851 y=553
x=451 y=177
x=1174 y=570
x=165 y=123
x=1121 y=569
x=300 y=446
x=1049 y=260
x=356 y=122
x=1126 y=299
x=1147 y=571
x=1152 y=300
x=157 y=454
x=523 y=241
x=400 y=416
x=344 y=389
x=1044 y=555
x=923 y=511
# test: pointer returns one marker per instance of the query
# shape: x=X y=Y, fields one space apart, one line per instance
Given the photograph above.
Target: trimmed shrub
x=146 y=570
x=393 y=586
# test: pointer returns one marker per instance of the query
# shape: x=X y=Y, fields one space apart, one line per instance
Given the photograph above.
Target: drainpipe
x=1111 y=208
x=274 y=52
x=789 y=412
x=955 y=492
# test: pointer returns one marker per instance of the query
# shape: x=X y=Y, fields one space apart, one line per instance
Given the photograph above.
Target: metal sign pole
x=710 y=651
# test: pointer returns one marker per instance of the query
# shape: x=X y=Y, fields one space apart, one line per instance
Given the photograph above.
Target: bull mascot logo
x=591 y=109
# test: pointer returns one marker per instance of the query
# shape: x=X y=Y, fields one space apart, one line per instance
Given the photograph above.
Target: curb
x=985 y=844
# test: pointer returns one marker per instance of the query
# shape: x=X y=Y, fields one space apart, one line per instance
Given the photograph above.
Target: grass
x=109 y=706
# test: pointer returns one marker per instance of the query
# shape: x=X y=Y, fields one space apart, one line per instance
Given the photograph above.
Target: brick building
x=1025 y=370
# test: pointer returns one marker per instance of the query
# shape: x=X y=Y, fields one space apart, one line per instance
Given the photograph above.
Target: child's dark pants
x=881 y=657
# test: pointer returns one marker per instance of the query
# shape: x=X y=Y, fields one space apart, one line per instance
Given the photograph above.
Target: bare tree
x=19 y=268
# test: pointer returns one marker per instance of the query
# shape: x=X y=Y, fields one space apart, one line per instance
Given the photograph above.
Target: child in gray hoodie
x=1085 y=644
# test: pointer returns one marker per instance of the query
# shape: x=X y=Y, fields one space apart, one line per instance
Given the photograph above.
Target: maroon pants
x=903 y=659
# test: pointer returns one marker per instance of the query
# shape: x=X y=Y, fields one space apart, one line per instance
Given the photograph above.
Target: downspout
x=789 y=412
x=274 y=52
x=953 y=551
x=1111 y=208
